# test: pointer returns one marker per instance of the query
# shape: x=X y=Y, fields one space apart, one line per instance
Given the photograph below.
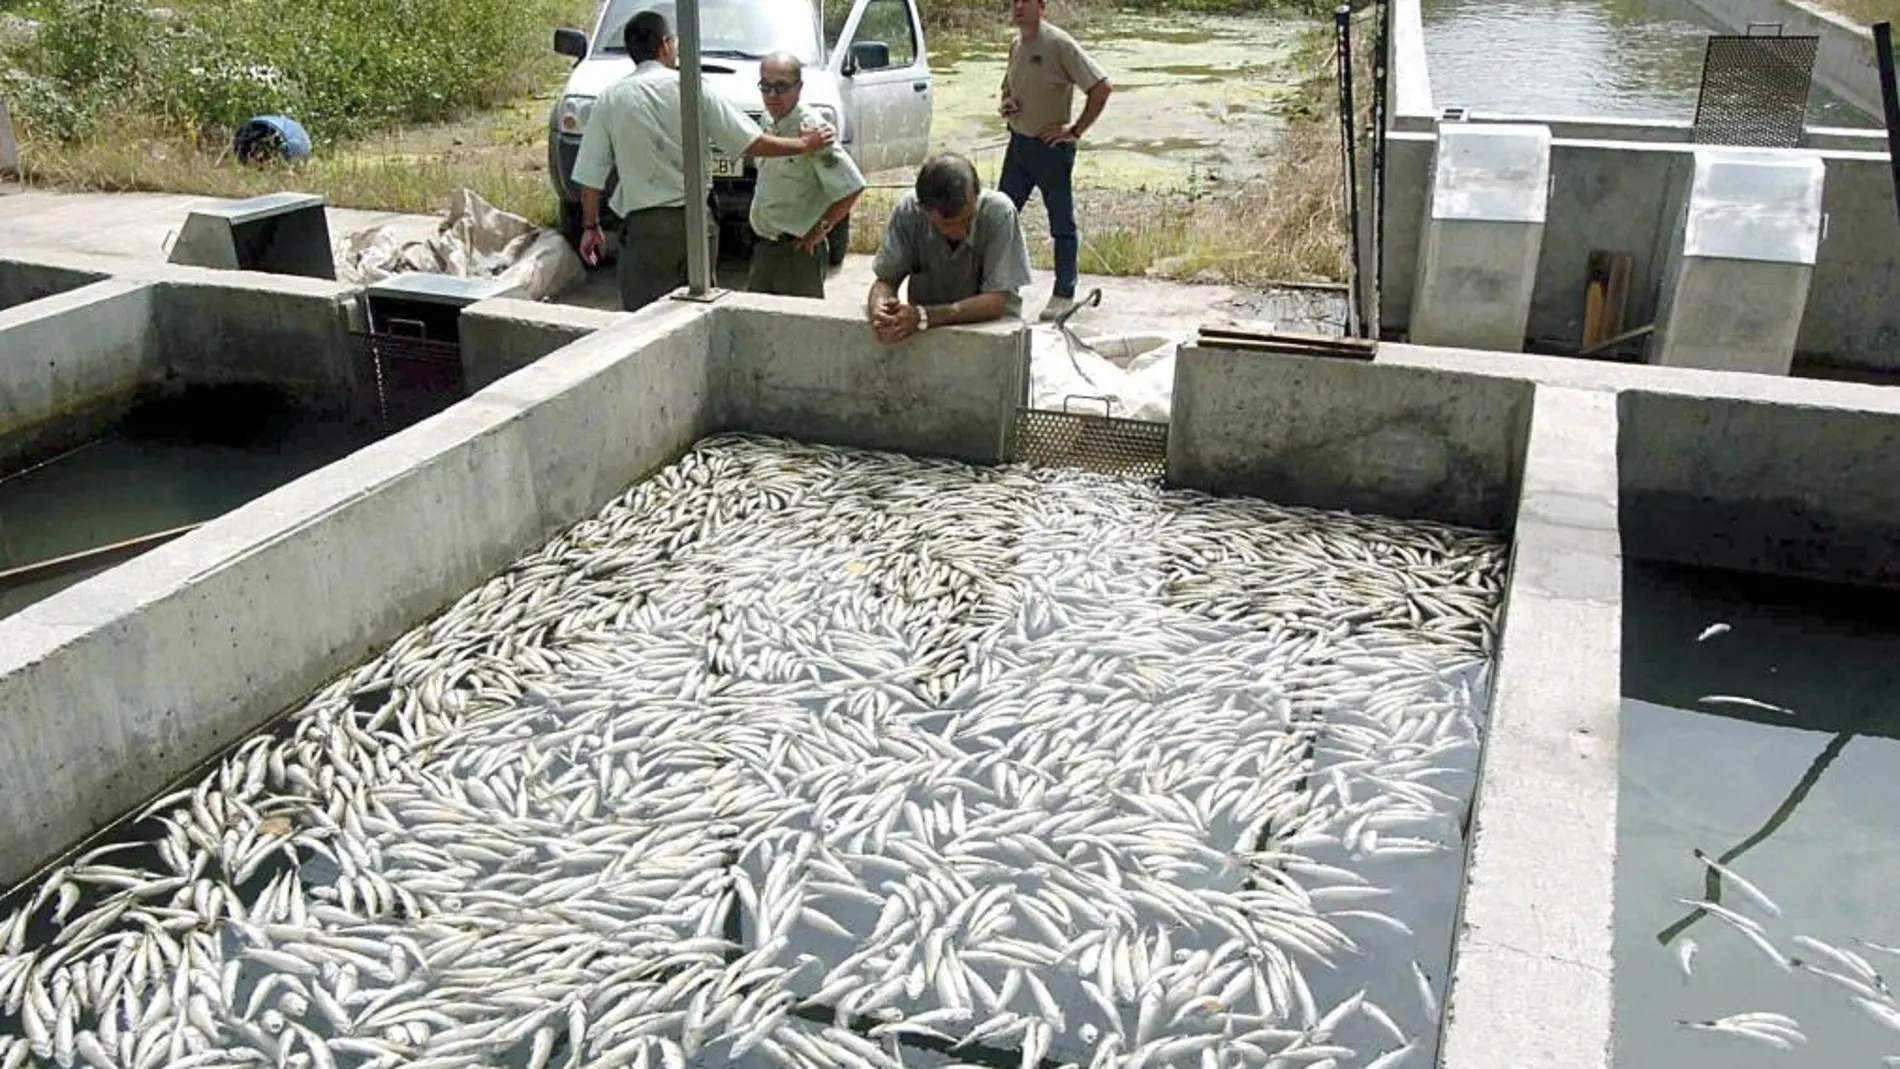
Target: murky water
x=1194 y=106
x=1639 y=59
x=1801 y=805
x=150 y=475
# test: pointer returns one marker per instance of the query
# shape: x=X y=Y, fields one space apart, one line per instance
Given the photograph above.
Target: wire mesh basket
x=415 y=377
x=1111 y=445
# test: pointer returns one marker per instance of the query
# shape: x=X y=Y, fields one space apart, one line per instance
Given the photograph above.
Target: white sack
x=477 y=240
x=1062 y=369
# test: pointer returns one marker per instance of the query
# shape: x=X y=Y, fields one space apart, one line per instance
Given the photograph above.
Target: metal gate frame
x=1375 y=179
x=1754 y=90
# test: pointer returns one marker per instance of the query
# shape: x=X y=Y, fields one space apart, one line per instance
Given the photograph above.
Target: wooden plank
x=46 y=569
x=1606 y=296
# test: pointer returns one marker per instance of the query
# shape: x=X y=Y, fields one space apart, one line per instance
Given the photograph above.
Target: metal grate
x=1755 y=90
x=1108 y=444
x=415 y=377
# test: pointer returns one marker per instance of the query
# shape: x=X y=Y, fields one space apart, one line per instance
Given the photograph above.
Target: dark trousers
x=1029 y=164
x=778 y=267
x=653 y=255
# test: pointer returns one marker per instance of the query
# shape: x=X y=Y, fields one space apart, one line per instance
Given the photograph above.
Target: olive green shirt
x=991 y=258
x=1043 y=74
x=793 y=192
x=634 y=129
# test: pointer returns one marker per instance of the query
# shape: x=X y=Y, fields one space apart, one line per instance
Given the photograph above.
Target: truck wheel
x=571 y=223
x=840 y=241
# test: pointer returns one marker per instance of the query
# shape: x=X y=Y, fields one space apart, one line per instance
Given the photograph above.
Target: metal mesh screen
x=1755 y=90
x=1106 y=444
x=415 y=377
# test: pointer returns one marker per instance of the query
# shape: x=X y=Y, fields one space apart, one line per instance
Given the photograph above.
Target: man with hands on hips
x=1045 y=68
x=958 y=246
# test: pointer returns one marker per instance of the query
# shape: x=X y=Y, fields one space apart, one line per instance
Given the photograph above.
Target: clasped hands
x=893 y=321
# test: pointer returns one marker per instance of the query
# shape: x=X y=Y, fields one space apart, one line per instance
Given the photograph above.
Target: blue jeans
x=1029 y=164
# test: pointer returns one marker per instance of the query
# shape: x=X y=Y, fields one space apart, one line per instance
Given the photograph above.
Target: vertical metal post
x=693 y=146
x=1381 y=80
x=1889 y=99
x=1342 y=22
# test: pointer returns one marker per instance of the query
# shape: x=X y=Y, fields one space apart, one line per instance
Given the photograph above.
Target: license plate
x=728 y=166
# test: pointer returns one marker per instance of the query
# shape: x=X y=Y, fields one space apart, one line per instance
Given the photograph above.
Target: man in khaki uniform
x=1045 y=68
x=798 y=200
x=634 y=131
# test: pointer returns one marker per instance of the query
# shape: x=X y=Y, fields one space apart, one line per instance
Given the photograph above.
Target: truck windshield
x=742 y=29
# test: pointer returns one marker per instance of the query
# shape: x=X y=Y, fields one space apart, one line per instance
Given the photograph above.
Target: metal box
x=1484 y=231
x=1735 y=281
x=278 y=233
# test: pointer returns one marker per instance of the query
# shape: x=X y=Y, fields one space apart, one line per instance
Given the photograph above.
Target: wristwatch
x=923 y=318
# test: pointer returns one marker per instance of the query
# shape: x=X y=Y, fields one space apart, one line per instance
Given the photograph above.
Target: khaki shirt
x=991 y=258
x=635 y=129
x=1043 y=74
x=793 y=192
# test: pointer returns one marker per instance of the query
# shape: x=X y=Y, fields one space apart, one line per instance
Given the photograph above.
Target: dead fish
x=1746 y=703
x=1711 y=631
x=1750 y=891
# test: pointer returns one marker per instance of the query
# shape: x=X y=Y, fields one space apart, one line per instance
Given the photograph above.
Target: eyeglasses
x=777 y=88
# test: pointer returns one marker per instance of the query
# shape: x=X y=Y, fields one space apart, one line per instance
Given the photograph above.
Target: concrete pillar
x=1484 y=230
x=1735 y=283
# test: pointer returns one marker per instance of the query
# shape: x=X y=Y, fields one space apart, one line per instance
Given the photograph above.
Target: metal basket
x=1755 y=90
x=1111 y=445
x=415 y=377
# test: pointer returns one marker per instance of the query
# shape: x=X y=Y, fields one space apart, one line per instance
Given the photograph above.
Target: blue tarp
x=271 y=135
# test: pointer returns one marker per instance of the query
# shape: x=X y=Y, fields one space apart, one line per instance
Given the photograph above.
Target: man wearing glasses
x=634 y=131
x=798 y=199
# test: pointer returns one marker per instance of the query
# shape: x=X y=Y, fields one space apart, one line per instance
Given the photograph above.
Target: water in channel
x=1800 y=804
x=804 y=756
x=1632 y=59
x=168 y=464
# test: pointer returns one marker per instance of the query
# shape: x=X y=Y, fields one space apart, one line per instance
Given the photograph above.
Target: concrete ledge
x=814 y=371
x=1406 y=442
x=1531 y=974
x=1411 y=73
x=1745 y=484
x=22 y=281
x=72 y=364
x=114 y=687
x=501 y=335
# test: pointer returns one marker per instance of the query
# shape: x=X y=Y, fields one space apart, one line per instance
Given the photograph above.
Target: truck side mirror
x=570 y=43
x=869 y=56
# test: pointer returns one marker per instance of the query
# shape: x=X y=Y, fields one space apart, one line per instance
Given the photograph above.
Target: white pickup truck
x=866 y=72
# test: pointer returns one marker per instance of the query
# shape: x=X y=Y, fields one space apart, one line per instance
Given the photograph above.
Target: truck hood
x=735 y=79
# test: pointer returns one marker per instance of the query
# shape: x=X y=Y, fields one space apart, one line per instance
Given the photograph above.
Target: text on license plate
x=728 y=166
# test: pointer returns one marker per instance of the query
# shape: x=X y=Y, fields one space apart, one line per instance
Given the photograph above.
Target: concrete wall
x=1410 y=442
x=1844 y=59
x=789 y=366
x=219 y=326
x=1625 y=197
x=70 y=365
x=114 y=687
x=1757 y=486
x=502 y=335
x=22 y=281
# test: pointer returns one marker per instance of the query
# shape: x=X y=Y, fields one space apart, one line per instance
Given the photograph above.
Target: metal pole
x=693 y=147
x=1890 y=100
x=1342 y=22
x=1381 y=79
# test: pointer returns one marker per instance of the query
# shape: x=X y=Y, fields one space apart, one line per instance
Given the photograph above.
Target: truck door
x=886 y=84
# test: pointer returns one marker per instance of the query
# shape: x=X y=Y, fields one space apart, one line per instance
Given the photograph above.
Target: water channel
x=167 y=465
x=1798 y=800
x=1632 y=59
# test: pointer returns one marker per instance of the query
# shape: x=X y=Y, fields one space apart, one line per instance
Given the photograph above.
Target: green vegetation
x=344 y=68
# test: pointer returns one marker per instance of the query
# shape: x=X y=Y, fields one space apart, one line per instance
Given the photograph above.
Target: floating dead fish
x=1712 y=631
x=1745 y=703
x=815 y=753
